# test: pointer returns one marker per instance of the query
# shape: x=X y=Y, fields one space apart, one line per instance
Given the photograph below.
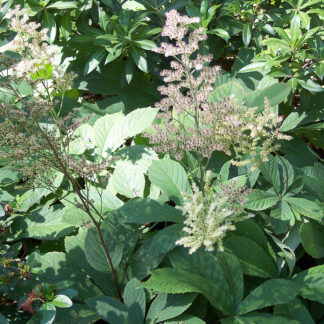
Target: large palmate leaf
x=171 y=178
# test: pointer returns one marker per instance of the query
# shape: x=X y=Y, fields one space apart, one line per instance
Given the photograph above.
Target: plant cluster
x=161 y=162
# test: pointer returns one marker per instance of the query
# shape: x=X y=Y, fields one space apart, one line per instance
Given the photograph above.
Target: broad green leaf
x=312 y=281
x=139 y=57
x=310 y=85
x=66 y=25
x=247 y=34
x=63 y=5
x=77 y=314
x=216 y=285
x=101 y=132
x=179 y=281
x=94 y=60
x=261 y=200
x=295 y=29
x=109 y=309
x=312 y=238
x=145 y=44
x=292 y=121
x=62 y=301
x=123 y=128
x=264 y=318
x=138 y=155
x=171 y=178
x=254 y=67
x=319 y=69
x=50 y=24
x=277 y=44
x=128 y=180
x=44 y=223
x=95 y=252
x=9 y=176
x=254 y=259
x=295 y=310
x=271 y=292
x=134 y=299
x=221 y=33
x=141 y=211
x=75 y=248
x=275 y=94
x=306 y=207
x=129 y=71
x=167 y=306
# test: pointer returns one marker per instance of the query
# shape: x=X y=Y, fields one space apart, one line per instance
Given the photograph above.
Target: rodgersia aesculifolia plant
x=34 y=138
x=190 y=122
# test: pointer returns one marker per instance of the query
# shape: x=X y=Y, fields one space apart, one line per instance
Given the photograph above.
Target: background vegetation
x=112 y=210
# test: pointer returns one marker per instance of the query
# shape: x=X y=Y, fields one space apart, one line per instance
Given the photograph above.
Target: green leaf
x=75 y=247
x=95 y=252
x=119 y=128
x=319 y=69
x=141 y=211
x=310 y=85
x=128 y=180
x=306 y=207
x=216 y=285
x=254 y=67
x=271 y=292
x=312 y=238
x=171 y=178
x=145 y=44
x=167 y=306
x=50 y=24
x=292 y=121
x=139 y=58
x=275 y=93
x=134 y=299
x=247 y=34
x=62 y=301
x=221 y=33
x=109 y=309
x=3 y=320
x=94 y=60
x=295 y=310
x=261 y=200
x=9 y=176
x=66 y=25
x=312 y=281
x=295 y=29
x=254 y=259
x=44 y=223
x=264 y=318
x=179 y=281
x=63 y=5
x=277 y=44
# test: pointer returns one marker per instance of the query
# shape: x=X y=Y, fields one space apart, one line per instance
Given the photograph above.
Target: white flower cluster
x=210 y=216
x=37 y=56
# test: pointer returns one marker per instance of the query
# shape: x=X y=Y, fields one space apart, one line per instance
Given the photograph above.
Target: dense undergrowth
x=161 y=161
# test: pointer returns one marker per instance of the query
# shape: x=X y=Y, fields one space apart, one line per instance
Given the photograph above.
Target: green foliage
x=92 y=213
